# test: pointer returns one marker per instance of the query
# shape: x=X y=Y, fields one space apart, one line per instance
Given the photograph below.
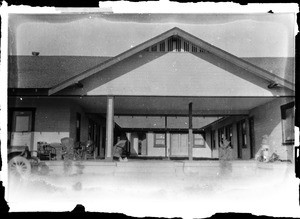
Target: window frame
x=229 y=133
x=12 y=118
x=283 y=110
x=194 y=139
x=221 y=131
x=155 y=139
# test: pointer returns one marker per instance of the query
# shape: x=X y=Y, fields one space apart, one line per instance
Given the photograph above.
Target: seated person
x=119 y=150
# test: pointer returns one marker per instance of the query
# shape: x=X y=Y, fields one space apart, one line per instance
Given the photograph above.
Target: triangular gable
x=273 y=79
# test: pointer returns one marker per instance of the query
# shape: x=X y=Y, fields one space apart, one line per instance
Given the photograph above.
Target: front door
x=179 y=144
x=252 y=139
x=142 y=148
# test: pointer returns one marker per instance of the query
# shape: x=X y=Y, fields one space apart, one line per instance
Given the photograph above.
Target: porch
x=156 y=126
x=162 y=188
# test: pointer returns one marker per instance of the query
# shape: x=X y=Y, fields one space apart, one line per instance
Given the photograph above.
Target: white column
x=109 y=128
x=128 y=136
x=100 y=142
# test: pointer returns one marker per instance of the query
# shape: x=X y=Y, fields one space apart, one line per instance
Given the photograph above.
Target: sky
x=107 y=34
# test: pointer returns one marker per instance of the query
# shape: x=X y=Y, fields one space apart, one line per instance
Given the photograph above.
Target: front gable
x=176 y=64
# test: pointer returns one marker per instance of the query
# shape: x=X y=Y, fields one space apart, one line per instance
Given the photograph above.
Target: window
x=287 y=121
x=221 y=134
x=159 y=139
x=213 y=139
x=199 y=140
x=228 y=133
x=21 y=120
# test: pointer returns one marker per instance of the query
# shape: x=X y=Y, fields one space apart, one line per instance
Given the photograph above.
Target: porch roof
x=158 y=106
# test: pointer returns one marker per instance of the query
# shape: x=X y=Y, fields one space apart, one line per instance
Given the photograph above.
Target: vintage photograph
x=161 y=115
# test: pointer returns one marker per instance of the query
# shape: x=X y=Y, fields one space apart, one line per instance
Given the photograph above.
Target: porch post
x=190 y=137
x=100 y=143
x=109 y=128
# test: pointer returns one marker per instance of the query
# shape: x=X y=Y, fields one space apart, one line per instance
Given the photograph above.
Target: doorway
x=142 y=143
x=252 y=139
x=78 y=126
x=241 y=137
x=179 y=144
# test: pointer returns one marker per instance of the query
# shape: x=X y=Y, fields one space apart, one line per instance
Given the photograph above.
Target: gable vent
x=186 y=46
x=175 y=44
x=162 y=47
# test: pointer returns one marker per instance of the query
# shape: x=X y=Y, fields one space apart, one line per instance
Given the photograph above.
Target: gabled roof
x=196 y=41
x=47 y=71
x=283 y=67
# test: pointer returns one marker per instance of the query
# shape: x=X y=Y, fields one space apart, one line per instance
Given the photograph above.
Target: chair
x=46 y=152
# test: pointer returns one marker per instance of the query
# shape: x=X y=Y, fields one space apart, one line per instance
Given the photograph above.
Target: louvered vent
x=175 y=44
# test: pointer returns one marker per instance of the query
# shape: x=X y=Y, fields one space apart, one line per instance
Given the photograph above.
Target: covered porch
x=176 y=127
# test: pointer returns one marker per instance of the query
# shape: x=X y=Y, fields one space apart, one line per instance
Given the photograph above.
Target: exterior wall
x=51 y=119
x=202 y=152
x=267 y=121
x=54 y=120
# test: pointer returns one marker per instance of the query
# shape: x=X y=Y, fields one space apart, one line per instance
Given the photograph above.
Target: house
x=174 y=95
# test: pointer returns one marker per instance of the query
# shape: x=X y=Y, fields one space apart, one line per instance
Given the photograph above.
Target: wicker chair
x=46 y=152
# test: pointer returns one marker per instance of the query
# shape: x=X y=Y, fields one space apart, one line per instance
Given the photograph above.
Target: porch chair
x=46 y=152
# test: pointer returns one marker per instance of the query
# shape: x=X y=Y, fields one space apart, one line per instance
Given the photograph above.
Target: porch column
x=109 y=128
x=100 y=141
x=190 y=137
x=128 y=146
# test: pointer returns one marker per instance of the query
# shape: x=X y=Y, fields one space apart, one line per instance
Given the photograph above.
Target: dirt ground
x=157 y=195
